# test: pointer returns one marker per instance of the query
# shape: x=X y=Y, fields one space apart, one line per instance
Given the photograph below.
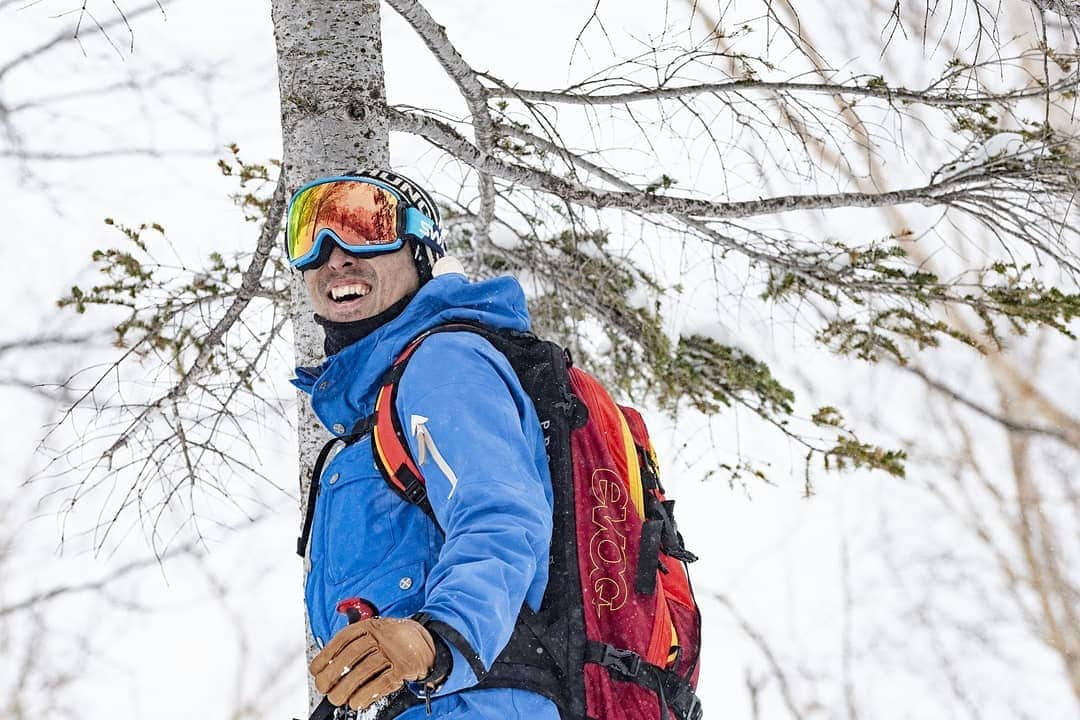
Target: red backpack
x=618 y=633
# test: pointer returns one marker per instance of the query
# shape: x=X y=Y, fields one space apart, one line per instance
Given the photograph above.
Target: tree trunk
x=333 y=100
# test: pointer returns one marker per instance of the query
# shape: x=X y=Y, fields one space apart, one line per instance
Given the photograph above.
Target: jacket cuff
x=441 y=667
x=455 y=639
x=460 y=666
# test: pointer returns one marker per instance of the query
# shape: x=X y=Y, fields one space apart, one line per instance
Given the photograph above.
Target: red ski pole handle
x=356 y=609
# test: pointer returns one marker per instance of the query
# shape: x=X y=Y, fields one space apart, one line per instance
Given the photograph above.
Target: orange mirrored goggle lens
x=358 y=213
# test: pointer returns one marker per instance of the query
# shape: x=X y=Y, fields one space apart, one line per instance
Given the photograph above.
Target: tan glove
x=370 y=659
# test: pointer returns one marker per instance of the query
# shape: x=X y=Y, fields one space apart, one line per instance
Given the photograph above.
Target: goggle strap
x=418 y=224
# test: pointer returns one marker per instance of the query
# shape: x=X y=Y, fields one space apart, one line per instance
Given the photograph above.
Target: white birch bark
x=333 y=99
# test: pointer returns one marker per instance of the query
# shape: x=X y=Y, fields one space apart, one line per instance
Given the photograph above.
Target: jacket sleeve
x=475 y=437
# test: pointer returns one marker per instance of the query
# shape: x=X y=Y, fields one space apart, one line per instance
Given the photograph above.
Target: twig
x=999 y=418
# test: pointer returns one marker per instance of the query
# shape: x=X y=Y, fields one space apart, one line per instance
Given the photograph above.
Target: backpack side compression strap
x=673 y=691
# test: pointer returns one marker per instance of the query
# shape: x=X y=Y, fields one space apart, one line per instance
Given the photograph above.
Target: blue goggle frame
x=410 y=223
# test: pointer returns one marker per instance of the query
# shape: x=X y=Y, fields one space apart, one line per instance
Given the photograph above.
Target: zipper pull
x=428 y=689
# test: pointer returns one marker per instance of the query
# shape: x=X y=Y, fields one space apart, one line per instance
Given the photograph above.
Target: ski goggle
x=362 y=215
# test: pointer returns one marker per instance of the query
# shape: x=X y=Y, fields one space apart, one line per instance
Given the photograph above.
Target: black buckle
x=412 y=487
x=694 y=711
x=362 y=427
x=415 y=492
x=684 y=700
x=392 y=374
x=625 y=662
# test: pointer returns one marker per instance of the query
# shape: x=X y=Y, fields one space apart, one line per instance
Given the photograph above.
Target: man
x=447 y=595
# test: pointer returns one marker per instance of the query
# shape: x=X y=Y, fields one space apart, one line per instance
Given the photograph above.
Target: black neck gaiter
x=340 y=335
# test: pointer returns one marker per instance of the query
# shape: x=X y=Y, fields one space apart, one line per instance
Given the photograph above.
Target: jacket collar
x=356 y=369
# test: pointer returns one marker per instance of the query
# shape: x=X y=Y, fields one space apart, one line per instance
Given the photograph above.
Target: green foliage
x=255 y=204
x=169 y=311
x=606 y=310
x=739 y=472
x=849 y=452
x=709 y=375
x=976 y=120
x=885 y=307
x=164 y=313
x=665 y=182
x=834 y=271
x=1022 y=300
x=827 y=416
x=126 y=275
x=880 y=334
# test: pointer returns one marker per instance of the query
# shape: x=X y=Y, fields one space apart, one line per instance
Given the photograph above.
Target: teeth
x=340 y=292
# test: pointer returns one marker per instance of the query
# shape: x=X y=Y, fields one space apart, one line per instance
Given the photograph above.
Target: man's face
x=347 y=287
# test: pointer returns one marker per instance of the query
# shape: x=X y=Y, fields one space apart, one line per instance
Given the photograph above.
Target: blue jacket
x=487 y=481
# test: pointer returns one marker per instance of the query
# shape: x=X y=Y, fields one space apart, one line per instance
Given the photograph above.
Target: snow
x=847 y=586
x=999 y=145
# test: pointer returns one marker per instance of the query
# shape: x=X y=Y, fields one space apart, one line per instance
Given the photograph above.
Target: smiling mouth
x=348 y=293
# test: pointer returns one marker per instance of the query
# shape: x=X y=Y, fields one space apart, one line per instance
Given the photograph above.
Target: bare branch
x=1001 y=419
x=151 y=152
x=65 y=35
x=766 y=651
x=928 y=96
x=39 y=341
x=33 y=602
x=475 y=95
x=121 y=85
x=249 y=287
x=947 y=190
x=1066 y=8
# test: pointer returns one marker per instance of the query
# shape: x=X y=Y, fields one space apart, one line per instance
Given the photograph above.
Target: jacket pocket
x=359 y=533
x=393 y=592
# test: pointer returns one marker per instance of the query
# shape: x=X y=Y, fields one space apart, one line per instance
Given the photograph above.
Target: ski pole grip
x=356 y=609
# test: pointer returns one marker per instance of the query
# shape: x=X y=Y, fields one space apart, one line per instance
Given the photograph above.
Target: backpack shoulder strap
x=390 y=436
x=390 y=442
